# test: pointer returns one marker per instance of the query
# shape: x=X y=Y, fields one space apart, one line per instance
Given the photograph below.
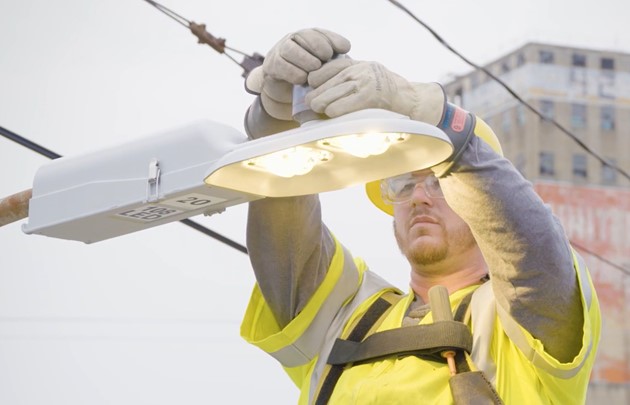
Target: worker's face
x=427 y=230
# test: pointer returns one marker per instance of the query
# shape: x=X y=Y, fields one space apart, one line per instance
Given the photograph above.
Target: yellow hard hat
x=482 y=130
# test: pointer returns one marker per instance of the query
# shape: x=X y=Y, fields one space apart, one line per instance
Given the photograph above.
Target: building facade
x=586 y=91
x=582 y=99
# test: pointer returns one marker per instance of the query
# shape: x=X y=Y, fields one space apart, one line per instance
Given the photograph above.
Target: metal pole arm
x=14 y=207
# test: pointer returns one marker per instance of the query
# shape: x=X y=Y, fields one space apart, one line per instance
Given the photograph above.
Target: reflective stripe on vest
x=516 y=333
x=371 y=285
x=308 y=345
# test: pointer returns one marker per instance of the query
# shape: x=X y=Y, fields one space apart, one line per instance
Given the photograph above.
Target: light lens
x=289 y=162
x=363 y=145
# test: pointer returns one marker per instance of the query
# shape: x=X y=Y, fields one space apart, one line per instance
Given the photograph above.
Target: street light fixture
x=331 y=154
x=205 y=167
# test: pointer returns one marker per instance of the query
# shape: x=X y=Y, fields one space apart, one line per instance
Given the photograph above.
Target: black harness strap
x=400 y=341
x=460 y=313
x=370 y=318
x=418 y=340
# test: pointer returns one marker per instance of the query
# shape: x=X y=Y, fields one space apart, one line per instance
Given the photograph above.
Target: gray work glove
x=288 y=63
x=345 y=85
x=342 y=86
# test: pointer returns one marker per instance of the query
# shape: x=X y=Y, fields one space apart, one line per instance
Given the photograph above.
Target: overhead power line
x=601 y=258
x=28 y=144
x=531 y=108
x=15 y=205
x=17 y=214
x=248 y=63
x=514 y=94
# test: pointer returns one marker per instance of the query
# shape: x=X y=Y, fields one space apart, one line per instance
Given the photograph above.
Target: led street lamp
x=206 y=167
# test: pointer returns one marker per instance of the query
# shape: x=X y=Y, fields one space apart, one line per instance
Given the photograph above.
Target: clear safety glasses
x=398 y=189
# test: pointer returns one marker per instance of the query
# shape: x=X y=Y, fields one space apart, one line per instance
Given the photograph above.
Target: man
x=535 y=323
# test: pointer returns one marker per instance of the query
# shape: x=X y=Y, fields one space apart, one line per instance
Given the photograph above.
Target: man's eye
x=432 y=182
x=407 y=188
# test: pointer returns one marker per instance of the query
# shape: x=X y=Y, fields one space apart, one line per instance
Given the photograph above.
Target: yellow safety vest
x=513 y=360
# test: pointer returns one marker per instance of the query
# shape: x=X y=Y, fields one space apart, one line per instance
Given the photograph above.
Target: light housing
x=206 y=167
x=425 y=146
x=144 y=183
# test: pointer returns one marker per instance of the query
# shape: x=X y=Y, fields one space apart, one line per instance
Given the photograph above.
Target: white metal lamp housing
x=144 y=183
x=206 y=167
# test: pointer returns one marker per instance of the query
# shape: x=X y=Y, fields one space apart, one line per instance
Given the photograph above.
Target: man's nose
x=420 y=195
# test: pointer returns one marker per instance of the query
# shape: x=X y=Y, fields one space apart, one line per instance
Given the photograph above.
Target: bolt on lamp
x=205 y=167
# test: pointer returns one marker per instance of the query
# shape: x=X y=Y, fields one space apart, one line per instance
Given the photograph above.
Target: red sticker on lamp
x=459 y=120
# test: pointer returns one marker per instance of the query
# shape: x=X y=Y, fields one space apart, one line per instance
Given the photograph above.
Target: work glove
x=342 y=86
x=288 y=63
x=345 y=85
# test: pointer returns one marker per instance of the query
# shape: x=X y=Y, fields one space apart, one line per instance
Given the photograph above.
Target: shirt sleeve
x=525 y=247
x=290 y=250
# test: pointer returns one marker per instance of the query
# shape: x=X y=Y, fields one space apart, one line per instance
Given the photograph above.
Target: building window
x=578 y=115
x=578 y=60
x=546 y=164
x=546 y=57
x=546 y=109
x=608 y=117
x=608 y=64
x=609 y=173
x=579 y=166
x=520 y=60
x=505 y=67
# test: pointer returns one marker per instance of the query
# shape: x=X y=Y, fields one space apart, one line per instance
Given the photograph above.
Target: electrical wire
x=28 y=144
x=601 y=258
x=531 y=108
x=52 y=155
x=514 y=94
x=218 y=44
x=183 y=21
x=215 y=235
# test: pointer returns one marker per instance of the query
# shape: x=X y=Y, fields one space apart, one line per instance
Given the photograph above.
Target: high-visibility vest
x=514 y=361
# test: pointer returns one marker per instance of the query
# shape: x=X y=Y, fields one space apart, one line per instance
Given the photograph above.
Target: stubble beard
x=424 y=254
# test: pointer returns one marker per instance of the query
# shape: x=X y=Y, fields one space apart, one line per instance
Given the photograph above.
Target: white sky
x=153 y=317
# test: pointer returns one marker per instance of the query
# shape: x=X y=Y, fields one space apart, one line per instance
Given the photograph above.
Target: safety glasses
x=398 y=189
